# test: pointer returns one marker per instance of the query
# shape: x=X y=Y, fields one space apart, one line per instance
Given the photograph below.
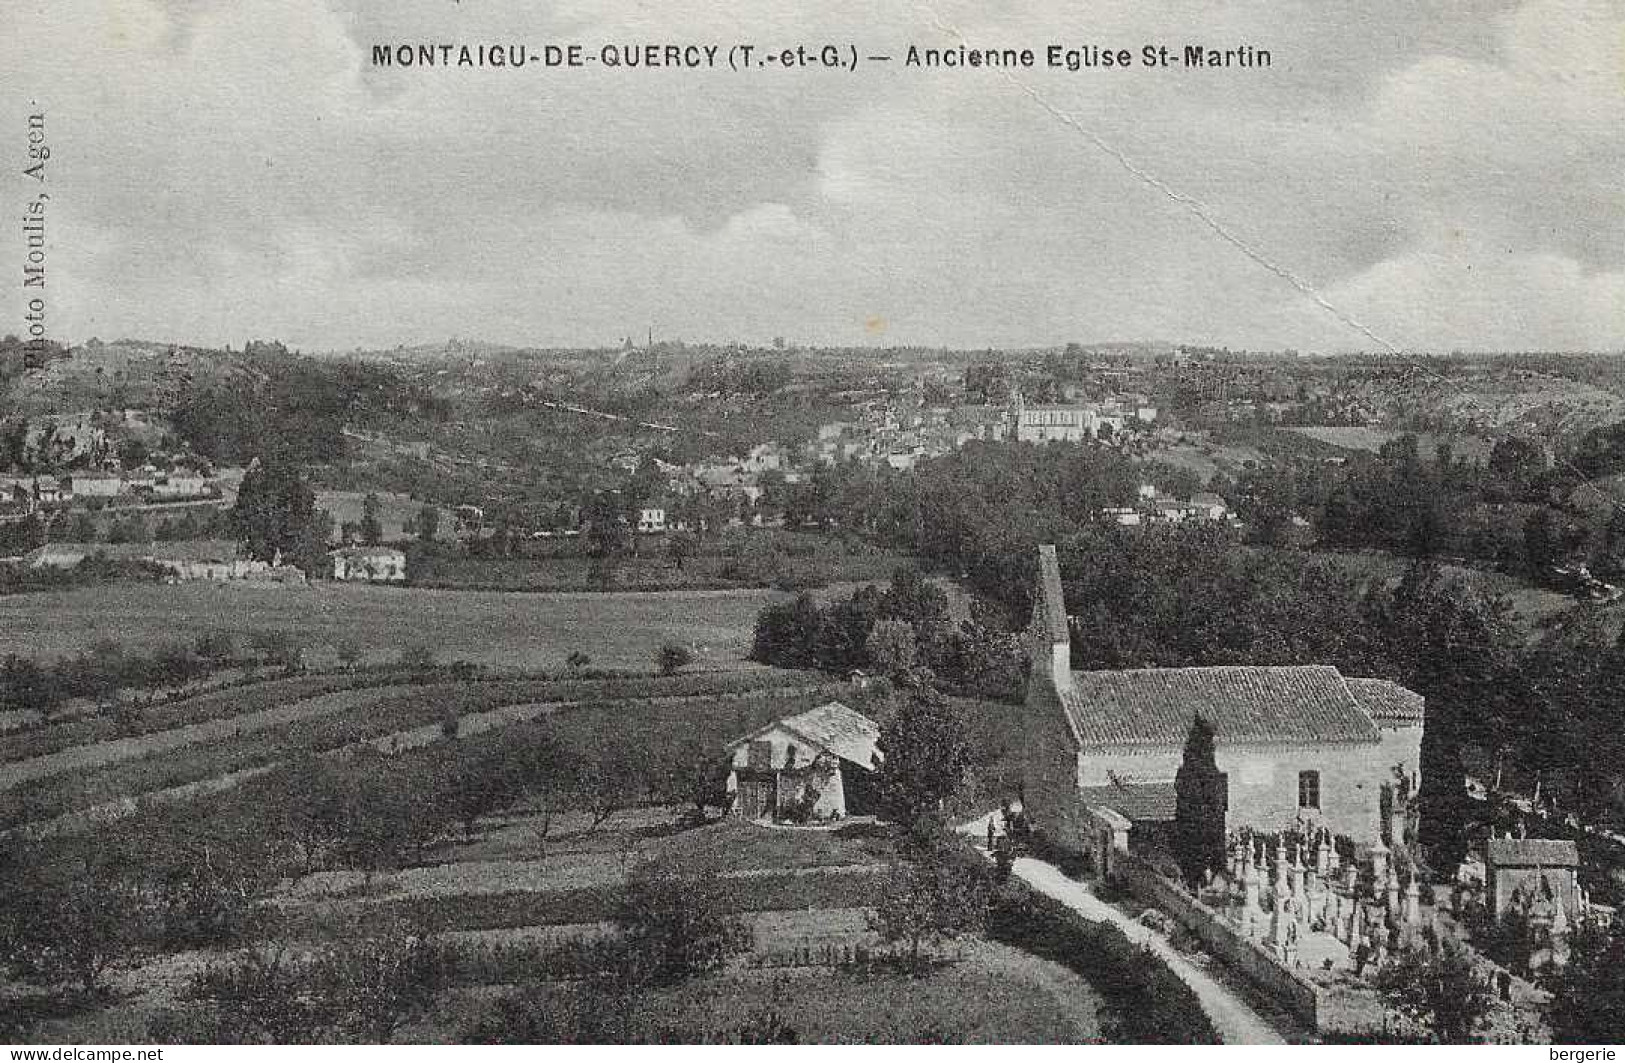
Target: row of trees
x=107 y=667
x=182 y=876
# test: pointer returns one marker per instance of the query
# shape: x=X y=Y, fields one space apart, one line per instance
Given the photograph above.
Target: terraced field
x=237 y=700
x=105 y=779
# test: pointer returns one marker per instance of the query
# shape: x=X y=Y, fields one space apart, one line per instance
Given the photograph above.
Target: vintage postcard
x=920 y=522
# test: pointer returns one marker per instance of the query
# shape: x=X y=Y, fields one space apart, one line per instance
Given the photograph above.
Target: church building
x=1298 y=746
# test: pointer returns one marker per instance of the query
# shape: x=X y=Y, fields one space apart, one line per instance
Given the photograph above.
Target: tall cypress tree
x=1200 y=797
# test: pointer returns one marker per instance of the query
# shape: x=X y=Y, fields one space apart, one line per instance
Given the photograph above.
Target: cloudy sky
x=1425 y=174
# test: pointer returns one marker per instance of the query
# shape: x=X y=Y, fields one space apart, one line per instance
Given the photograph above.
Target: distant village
x=92 y=481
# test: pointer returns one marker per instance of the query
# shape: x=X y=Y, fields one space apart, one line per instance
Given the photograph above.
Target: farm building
x=1297 y=746
x=817 y=764
x=96 y=484
x=197 y=559
x=369 y=563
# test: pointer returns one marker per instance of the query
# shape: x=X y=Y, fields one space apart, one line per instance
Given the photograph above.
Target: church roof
x=1388 y=702
x=1299 y=705
x=1531 y=852
x=1050 y=598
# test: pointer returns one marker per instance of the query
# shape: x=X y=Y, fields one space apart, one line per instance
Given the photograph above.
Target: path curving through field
x=1235 y=1020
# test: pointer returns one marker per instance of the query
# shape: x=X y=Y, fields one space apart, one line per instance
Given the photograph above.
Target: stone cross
x=1249 y=889
x=1314 y=898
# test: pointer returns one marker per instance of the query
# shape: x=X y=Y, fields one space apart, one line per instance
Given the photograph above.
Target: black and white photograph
x=921 y=522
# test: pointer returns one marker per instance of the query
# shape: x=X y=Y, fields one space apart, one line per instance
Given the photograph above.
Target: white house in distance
x=371 y=564
x=817 y=764
x=651 y=518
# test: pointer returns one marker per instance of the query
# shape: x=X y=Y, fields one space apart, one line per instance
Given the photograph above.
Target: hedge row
x=1150 y=1004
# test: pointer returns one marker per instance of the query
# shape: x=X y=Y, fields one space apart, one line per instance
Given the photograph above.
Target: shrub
x=672 y=657
x=677 y=924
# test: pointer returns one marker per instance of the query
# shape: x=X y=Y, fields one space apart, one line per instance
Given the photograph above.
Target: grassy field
x=995 y=996
x=505 y=631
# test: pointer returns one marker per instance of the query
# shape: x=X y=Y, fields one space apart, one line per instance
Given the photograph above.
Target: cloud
x=1445 y=173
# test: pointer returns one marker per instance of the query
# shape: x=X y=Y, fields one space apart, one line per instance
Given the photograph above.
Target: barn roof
x=831 y=726
x=1307 y=704
x=1138 y=801
x=1388 y=702
x=1531 y=852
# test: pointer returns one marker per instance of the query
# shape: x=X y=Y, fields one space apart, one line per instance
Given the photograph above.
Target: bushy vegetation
x=915 y=631
x=1125 y=974
x=298 y=405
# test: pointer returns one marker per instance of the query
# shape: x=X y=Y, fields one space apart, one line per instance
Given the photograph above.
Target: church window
x=1308 y=789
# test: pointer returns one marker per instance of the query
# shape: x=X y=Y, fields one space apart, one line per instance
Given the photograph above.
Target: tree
x=355 y=991
x=310 y=550
x=914 y=598
x=428 y=523
x=1458 y=648
x=611 y=775
x=73 y=922
x=892 y=647
x=675 y=923
x=786 y=633
x=273 y=511
x=608 y=534
x=1437 y=984
x=372 y=527
x=1587 y=1005
x=695 y=774
x=468 y=786
x=593 y=1011
x=680 y=547
x=925 y=753
x=1199 y=806
x=1516 y=463
x=672 y=657
x=929 y=901
x=315 y=809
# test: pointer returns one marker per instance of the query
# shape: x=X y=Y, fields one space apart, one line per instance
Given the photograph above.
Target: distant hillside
x=1493 y=401
x=127 y=374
